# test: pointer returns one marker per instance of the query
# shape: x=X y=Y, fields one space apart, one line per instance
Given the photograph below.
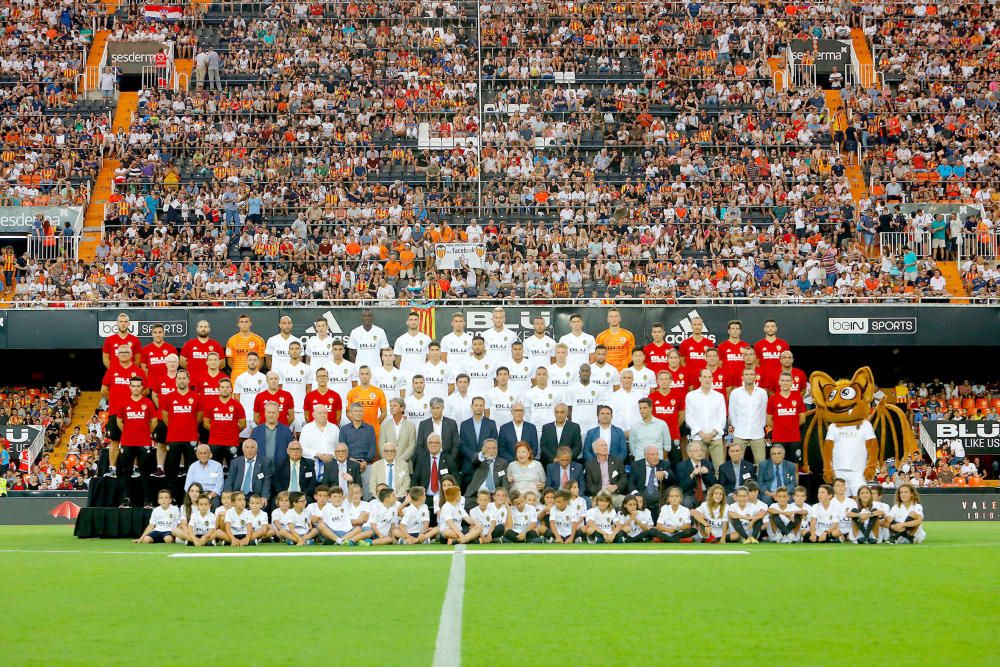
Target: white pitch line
x=475 y=552
x=448 y=648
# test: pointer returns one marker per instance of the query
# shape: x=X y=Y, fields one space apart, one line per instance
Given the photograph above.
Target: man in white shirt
x=411 y=347
x=458 y=404
x=625 y=402
x=539 y=348
x=343 y=374
x=438 y=376
x=387 y=377
x=456 y=346
x=540 y=400
x=319 y=438
x=579 y=344
x=583 y=399
x=603 y=374
x=367 y=341
x=643 y=378
x=319 y=347
x=748 y=415
x=501 y=399
x=499 y=338
x=297 y=380
x=479 y=368
x=246 y=388
x=418 y=404
x=519 y=369
x=561 y=375
x=705 y=415
x=276 y=349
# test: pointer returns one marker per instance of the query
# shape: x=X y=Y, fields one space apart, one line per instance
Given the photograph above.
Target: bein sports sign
x=871 y=325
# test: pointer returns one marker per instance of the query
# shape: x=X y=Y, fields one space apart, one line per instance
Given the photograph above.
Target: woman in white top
x=524 y=473
x=711 y=517
x=906 y=516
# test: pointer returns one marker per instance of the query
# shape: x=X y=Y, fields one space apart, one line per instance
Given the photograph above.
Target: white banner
x=451 y=255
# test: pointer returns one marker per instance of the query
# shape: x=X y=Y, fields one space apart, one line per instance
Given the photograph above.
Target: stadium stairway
x=93 y=222
x=94 y=59
x=85 y=408
x=953 y=281
x=865 y=62
x=778 y=65
x=853 y=170
x=183 y=66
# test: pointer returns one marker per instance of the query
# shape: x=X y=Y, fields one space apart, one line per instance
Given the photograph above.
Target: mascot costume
x=845 y=436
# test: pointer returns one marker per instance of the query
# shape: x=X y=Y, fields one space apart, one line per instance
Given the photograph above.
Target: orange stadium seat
x=969 y=403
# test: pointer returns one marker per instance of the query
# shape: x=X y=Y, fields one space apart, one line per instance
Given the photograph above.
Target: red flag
x=426 y=321
x=65 y=509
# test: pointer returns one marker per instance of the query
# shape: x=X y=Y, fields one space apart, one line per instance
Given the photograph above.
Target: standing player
x=418 y=404
x=584 y=397
x=136 y=417
x=656 y=351
x=619 y=342
x=371 y=398
x=668 y=406
x=411 y=346
x=367 y=341
x=297 y=380
x=324 y=395
x=439 y=378
x=714 y=366
x=731 y=354
x=769 y=349
x=223 y=418
x=749 y=364
x=540 y=400
x=603 y=374
x=579 y=344
x=786 y=412
x=800 y=384
x=456 y=346
x=161 y=388
x=643 y=377
x=539 y=348
x=693 y=348
x=319 y=347
x=387 y=377
x=154 y=356
x=278 y=344
x=241 y=344
x=519 y=369
x=119 y=338
x=194 y=353
x=247 y=387
x=498 y=339
x=500 y=400
x=115 y=387
x=274 y=393
x=207 y=383
x=680 y=378
x=343 y=375
x=180 y=411
x=479 y=369
x=560 y=374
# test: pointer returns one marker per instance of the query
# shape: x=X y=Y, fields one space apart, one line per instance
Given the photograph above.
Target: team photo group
x=484 y=437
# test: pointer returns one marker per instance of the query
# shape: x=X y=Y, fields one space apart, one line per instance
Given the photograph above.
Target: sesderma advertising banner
x=21 y=219
x=131 y=57
x=826 y=53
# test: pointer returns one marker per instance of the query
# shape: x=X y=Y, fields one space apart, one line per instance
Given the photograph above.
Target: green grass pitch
x=75 y=602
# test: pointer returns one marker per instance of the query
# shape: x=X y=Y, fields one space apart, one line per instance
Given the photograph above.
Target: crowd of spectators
x=628 y=150
x=52 y=409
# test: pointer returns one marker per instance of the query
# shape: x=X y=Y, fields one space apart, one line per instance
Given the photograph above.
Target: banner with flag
x=451 y=255
x=163 y=12
x=426 y=325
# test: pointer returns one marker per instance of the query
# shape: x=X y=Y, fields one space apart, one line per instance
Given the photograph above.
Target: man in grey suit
x=400 y=430
x=250 y=473
x=776 y=473
x=490 y=473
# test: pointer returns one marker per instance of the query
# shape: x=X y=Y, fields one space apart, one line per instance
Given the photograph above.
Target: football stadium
x=440 y=330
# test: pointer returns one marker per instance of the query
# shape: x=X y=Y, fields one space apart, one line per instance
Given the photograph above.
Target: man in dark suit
x=776 y=473
x=472 y=433
x=617 y=444
x=737 y=471
x=490 y=473
x=295 y=473
x=250 y=473
x=696 y=475
x=564 y=470
x=342 y=471
x=560 y=433
x=605 y=473
x=429 y=467
x=650 y=476
x=272 y=437
x=446 y=427
x=515 y=431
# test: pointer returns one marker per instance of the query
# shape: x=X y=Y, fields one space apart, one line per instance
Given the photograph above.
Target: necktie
x=293 y=475
x=490 y=484
x=651 y=483
x=434 y=475
x=248 y=477
x=388 y=479
x=565 y=477
x=777 y=474
x=699 y=490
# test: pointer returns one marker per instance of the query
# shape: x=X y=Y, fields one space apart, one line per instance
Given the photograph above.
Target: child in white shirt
x=226 y=498
x=415 y=518
x=382 y=517
x=906 y=516
x=846 y=505
x=335 y=519
x=562 y=519
x=674 y=521
x=824 y=520
x=744 y=524
x=782 y=519
x=602 y=524
x=260 y=526
x=453 y=516
x=237 y=522
x=201 y=525
x=164 y=523
x=298 y=526
x=522 y=520
x=280 y=516
x=357 y=510
x=883 y=528
x=712 y=516
x=632 y=521
x=865 y=518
